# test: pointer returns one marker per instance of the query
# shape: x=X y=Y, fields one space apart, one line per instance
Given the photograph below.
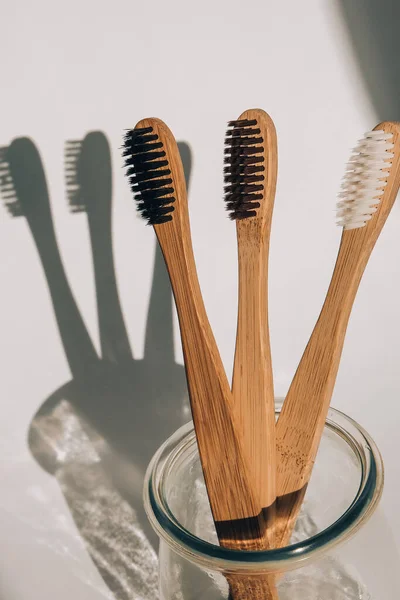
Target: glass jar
x=343 y=493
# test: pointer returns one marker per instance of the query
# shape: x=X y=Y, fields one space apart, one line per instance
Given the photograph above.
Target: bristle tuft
x=244 y=174
x=7 y=189
x=148 y=171
x=364 y=180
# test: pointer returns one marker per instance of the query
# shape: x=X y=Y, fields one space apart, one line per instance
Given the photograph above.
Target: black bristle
x=143 y=157
x=239 y=151
x=145 y=138
x=239 y=131
x=149 y=184
x=245 y=161
x=238 y=140
x=136 y=177
x=149 y=175
x=145 y=147
x=242 y=178
x=242 y=123
x=244 y=173
x=133 y=133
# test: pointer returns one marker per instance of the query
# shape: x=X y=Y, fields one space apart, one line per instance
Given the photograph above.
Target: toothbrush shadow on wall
x=374 y=35
x=97 y=433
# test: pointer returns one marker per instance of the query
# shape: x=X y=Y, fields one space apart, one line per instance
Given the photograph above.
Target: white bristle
x=364 y=179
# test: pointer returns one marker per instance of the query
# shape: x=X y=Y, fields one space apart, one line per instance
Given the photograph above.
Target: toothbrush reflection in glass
x=156 y=175
x=250 y=177
x=369 y=189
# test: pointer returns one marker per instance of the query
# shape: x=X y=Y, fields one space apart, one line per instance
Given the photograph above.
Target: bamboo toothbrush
x=369 y=189
x=89 y=189
x=250 y=178
x=157 y=179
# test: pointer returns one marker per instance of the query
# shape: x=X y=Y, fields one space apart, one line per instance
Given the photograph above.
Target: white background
x=69 y=68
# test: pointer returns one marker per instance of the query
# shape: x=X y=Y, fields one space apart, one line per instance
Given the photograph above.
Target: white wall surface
x=69 y=68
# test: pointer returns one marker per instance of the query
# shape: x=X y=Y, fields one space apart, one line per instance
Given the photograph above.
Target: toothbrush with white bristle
x=368 y=192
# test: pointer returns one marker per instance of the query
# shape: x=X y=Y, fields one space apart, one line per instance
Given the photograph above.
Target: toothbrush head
x=154 y=169
x=244 y=171
x=366 y=179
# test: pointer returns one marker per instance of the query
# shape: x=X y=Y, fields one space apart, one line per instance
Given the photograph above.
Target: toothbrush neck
x=354 y=252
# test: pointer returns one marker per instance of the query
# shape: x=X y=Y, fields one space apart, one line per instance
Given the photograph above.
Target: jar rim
x=207 y=554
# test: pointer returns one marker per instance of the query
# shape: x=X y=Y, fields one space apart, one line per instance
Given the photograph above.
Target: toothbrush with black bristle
x=23 y=189
x=369 y=189
x=251 y=159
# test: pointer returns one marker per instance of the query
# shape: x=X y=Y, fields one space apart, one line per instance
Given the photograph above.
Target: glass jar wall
x=333 y=555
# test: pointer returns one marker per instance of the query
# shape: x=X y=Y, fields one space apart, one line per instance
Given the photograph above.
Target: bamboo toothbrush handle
x=238 y=520
x=302 y=419
x=304 y=411
x=225 y=471
x=252 y=587
x=252 y=386
x=252 y=156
